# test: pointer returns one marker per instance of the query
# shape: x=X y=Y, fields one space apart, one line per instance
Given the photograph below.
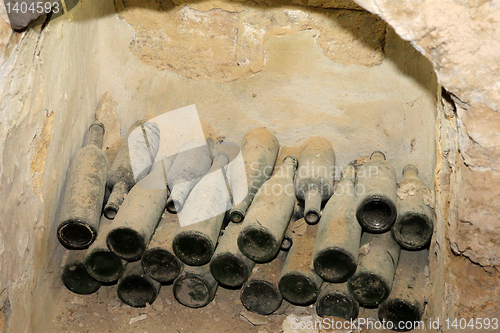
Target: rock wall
x=264 y=65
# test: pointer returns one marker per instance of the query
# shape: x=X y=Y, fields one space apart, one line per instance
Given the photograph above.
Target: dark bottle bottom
x=298 y=289
x=413 y=231
x=403 y=315
x=76 y=279
x=161 y=265
x=126 y=243
x=193 y=291
x=229 y=270
x=258 y=245
x=104 y=266
x=75 y=235
x=335 y=265
x=368 y=289
x=137 y=291
x=376 y=214
x=261 y=297
x=337 y=304
x=193 y=249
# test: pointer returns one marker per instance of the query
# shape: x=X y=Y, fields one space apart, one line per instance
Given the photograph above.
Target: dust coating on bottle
x=136 y=288
x=339 y=233
x=415 y=223
x=314 y=182
x=104 y=266
x=161 y=265
x=75 y=276
x=260 y=294
x=378 y=258
x=400 y=311
x=132 y=162
x=159 y=260
x=139 y=216
x=406 y=302
x=195 y=287
x=376 y=211
x=259 y=150
x=334 y=300
x=84 y=193
x=126 y=243
x=193 y=248
x=269 y=215
x=229 y=266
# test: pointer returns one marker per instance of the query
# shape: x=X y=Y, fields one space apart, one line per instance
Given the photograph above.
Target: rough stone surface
x=271 y=60
x=227 y=42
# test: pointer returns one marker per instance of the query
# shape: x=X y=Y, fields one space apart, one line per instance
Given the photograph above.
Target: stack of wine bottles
x=219 y=214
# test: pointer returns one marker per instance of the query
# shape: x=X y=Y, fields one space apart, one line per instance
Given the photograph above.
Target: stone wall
x=52 y=81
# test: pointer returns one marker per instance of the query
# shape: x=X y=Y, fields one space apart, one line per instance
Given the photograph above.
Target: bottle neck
x=95 y=135
x=348 y=174
x=288 y=167
x=410 y=171
x=377 y=155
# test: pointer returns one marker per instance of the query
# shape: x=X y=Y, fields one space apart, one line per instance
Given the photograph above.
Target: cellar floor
x=104 y=312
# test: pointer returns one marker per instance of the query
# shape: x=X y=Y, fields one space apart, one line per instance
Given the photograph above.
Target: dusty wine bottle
x=229 y=266
x=378 y=258
x=299 y=284
x=75 y=277
x=377 y=205
x=191 y=164
x=202 y=216
x=260 y=294
x=159 y=260
x=139 y=215
x=268 y=216
x=405 y=306
x=415 y=223
x=84 y=193
x=102 y=264
x=334 y=300
x=298 y=213
x=259 y=150
x=314 y=181
x=195 y=287
x=132 y=163
x=339 y=233
x=135 y=288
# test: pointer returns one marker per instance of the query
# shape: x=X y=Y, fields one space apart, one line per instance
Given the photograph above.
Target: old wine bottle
x=260 y=294
x=259 y=150
x=139 y=215
x=75 y=276
x=334 y=300
x=202 y=216
x=159 y=260
x=135 y=288
x=377 y=205
x=195 y=287
x=339 y=233
x=405 y=305
x=415 y=223
x=299 y=284
x=268 y=216
x=132 y=163
x=84 y=193
x=378 y=258
x=102 y=264
x=314 y=181
x=229 y=266
x=191 y=163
